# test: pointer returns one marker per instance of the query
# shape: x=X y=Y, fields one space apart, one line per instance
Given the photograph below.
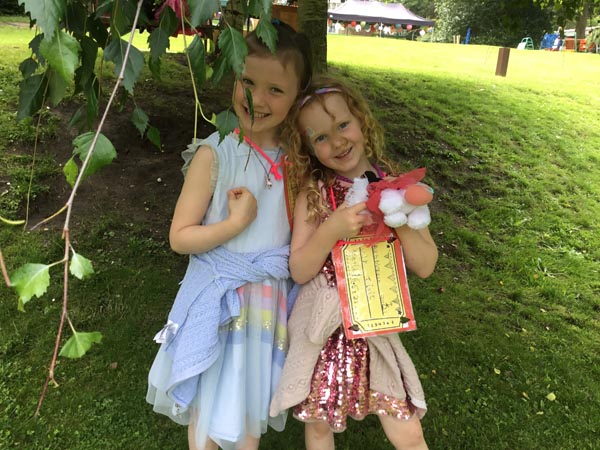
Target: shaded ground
x=143 y=182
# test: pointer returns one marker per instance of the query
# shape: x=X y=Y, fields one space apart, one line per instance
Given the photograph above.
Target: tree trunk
x=233 y=16
x=312 y=21
x=582 y=20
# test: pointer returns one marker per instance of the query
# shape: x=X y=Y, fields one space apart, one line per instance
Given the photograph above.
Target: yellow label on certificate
x=371 y=280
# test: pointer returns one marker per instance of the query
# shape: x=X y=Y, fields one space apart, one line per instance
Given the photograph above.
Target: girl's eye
x=320 y=138
x=344 y=125
x=275 y=90
x=247 y=81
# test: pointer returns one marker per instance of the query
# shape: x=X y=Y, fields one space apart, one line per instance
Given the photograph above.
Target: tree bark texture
x=233 y=16
x=582 y=20
x=312 y=21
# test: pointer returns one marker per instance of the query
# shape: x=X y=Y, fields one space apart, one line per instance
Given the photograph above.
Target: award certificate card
x=372 y=284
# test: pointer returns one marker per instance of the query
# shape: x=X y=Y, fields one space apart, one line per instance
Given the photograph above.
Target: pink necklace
x=273 y=165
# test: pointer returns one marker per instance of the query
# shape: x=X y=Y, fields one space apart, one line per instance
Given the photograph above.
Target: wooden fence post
x=502 y=63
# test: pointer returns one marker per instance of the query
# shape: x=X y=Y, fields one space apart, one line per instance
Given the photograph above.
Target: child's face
x=335 y=136
x=274 y=88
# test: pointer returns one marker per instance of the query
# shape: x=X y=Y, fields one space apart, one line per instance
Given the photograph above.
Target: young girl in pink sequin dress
x=332 y=137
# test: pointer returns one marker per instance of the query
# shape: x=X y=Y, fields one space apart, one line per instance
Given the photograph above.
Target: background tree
x=10 y=7
x=494 y=22
x=312 y=20
x=423 y=8
x=577 y=10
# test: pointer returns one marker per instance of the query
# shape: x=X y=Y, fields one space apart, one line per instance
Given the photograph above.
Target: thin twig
x=69 y=205
x=189 y=63
x=4 y=272
x=50 y=376
x=48 y=219
x=35 y=148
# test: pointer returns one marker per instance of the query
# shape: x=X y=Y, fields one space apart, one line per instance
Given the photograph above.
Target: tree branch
x=4 y=272
x=69 y=206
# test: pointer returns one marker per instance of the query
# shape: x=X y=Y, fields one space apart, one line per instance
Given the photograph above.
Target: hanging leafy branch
x=70 y=35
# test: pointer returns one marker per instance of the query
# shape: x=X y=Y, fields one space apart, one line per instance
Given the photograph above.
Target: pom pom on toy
x=398 y=210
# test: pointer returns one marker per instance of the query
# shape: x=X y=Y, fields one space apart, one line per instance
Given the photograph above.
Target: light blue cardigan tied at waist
x=207 y=299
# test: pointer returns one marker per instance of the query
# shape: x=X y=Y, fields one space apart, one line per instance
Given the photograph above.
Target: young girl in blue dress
x=224 y=344
x=332 y=138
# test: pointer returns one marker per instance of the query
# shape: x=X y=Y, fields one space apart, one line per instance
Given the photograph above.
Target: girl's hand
x=347 y=221
x=242 y=207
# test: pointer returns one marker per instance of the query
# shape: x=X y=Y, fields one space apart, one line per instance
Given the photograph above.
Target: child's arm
x=187 y=235
x=419 y=249
x=312 y=242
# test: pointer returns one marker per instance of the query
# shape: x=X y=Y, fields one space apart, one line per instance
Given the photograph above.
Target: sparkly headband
x=324 y=90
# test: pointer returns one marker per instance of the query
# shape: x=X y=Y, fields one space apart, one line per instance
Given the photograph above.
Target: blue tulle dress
x=234 y=393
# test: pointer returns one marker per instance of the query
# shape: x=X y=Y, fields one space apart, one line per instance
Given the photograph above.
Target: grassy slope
x=510 y=316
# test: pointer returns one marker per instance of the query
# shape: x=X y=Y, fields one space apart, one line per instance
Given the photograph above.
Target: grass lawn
x=507 y=344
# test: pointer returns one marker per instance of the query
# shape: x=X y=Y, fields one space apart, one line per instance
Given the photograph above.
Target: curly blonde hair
x=305 y=170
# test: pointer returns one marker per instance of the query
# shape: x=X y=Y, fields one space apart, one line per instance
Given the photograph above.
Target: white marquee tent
x=377 y=12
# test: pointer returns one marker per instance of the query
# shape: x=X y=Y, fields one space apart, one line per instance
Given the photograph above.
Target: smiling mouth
x=257 y=115
x=344 y=154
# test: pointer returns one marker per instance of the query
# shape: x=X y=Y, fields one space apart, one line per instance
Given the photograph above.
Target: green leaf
x=30 y=280
x=226 y=122
x=104 y=7
x=79 y=344
x=268 y=34
x=71 y=170
x=197 y=60
x=154 y=136
x=220 y=68
x=92 y=93
x=89 y=53
x=261 y=8
x=121 y=17
x=28 y=67
x=234 y=48
x=34 y=45
x=154 y=66
x=250 y=104
x=62 y=53
x=80 y=266
x=140 y=120
x=57 y=87
x=76 y=120
x=115 y=52
x=47 y=13
x=31 y=95
x=159 y=38
x=76 y=18
x=86 y=121
x=202 y=11
x=102 y=155
x=97 y=30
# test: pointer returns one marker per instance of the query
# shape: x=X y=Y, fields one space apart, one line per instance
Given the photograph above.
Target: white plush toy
x=399 y=206
x=397 y=211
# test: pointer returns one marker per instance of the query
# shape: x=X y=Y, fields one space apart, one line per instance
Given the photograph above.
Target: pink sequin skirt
x=340 y=387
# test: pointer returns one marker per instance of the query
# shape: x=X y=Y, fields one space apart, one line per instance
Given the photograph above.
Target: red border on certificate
x=373 y=287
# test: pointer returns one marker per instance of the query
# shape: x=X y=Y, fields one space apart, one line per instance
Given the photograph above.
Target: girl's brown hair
x=305 y=170
x=292 y=47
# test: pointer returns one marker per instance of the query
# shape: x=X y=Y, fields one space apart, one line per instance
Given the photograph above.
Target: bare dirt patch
x=143 y=183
